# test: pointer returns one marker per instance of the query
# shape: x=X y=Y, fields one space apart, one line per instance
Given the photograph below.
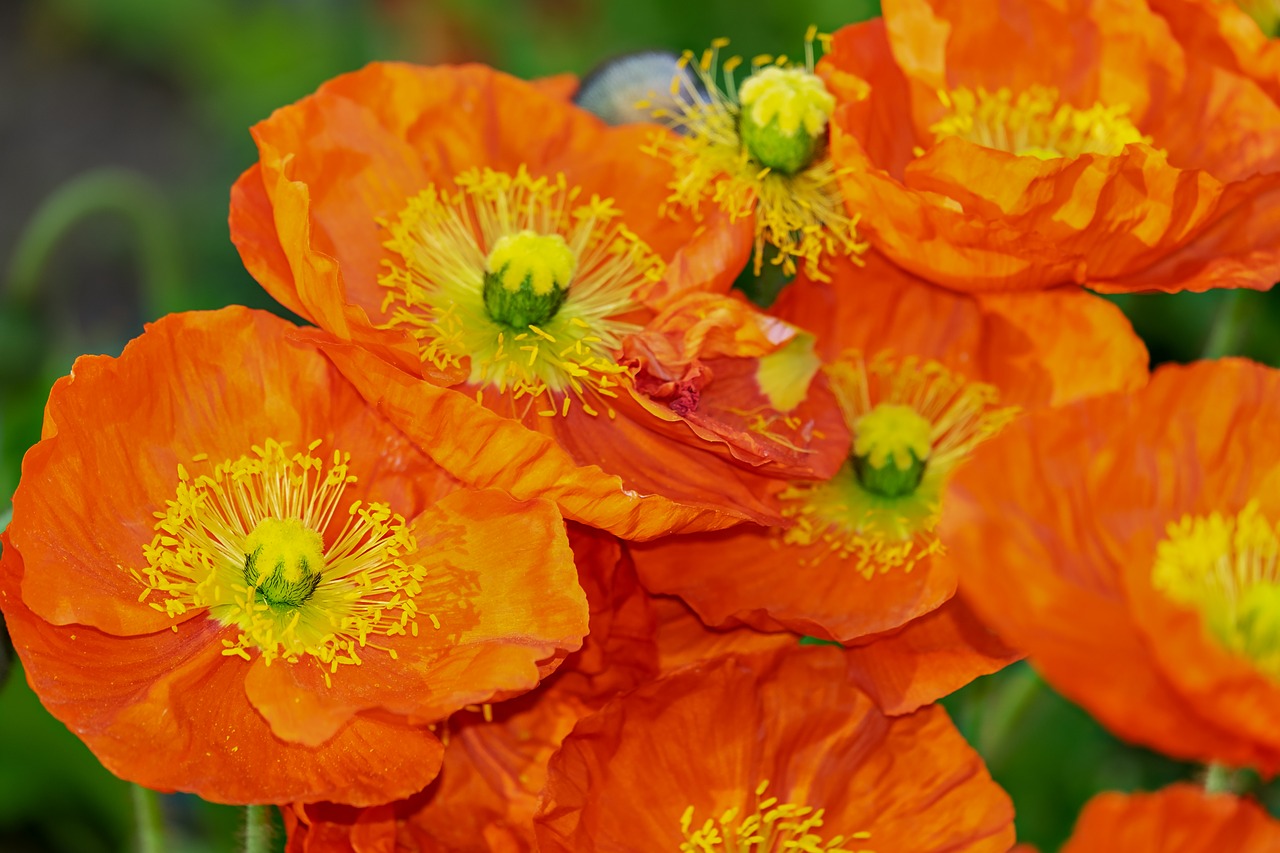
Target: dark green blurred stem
x=1228 y=325
x=115 y=191
x=1220 y=779
x=6 y=515
x=1005 y=709
x=150 y=823
x=257 y=829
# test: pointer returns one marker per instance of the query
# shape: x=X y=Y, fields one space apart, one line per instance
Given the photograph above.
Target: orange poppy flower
x=495 y=257
x=495 y=763
x=1128 y=544
x=1064 y=142
x=758 y=152
x=721 y=751
x=1178 y=819
x=229 y=575
x=923 y=375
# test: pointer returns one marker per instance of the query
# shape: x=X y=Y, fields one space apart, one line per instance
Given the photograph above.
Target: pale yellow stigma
x=876 y=515
x=542 y=262
x=893 y=433
x=1227 y=568
x=794 y=98
x=772 y=827
x=245 y=542
x=1035 y=123
x=521 y=282
x=283 y=560
x=733 y=152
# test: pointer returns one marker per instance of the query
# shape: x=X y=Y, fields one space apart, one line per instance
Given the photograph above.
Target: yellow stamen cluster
x=901 y=398
x=448 y=241
x=1228 y=568
x=244 y=542
x=773 y=827
x=802 y=215
x=1035 y=123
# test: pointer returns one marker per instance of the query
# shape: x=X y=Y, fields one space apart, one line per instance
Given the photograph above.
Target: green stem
x=1227 y=331
x=5 y=517
x=149 y=820
x=118 y=191
x=1005 y=709
x=257 y=829
x=1219 y=779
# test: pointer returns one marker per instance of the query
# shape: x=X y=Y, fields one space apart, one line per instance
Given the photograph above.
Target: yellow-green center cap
x=892 y=444
x=527 y=278
x=784 y=117
x=283 y=560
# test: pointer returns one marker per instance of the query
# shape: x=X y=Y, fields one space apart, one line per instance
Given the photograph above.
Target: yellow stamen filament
x=801 y=215
x=1035 y=123
x=1228 y=568
x=773 y=827
x=874 y=532
x=228 y=533
x=446 y=240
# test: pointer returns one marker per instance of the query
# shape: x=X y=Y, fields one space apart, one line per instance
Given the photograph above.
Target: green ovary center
x=1226 y=567
x=283 y=561
x=527 y=278
x=891 y=447
x=784 y=117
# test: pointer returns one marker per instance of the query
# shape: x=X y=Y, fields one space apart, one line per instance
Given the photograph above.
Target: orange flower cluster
x=511 y=549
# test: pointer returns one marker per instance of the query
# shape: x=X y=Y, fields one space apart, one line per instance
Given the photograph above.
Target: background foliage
x=123 y=124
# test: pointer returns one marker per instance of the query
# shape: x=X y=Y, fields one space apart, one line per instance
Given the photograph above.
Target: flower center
x=1034 y=123
x=772 y=827
x=527 y=277
x=246 y=543
x=758 y=153
x=283 y=561
x=481 y=277
x=892 y=444
x=1227 y=568
x=1265 y=12
x=914 y=421
x=784 y=117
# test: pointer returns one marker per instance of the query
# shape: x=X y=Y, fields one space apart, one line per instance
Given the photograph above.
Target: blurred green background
x=123 y=124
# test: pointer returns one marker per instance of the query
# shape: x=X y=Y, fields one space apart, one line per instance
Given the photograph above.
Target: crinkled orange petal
x=930 y=657
x=705 y=493
x=750 y=576
x=501 y=584
x=1051 y=523
x=624 y=777
x=1227 y=36
x=1182 y=818
x=168 y=710
x=683 y=638
x=1054 y=347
